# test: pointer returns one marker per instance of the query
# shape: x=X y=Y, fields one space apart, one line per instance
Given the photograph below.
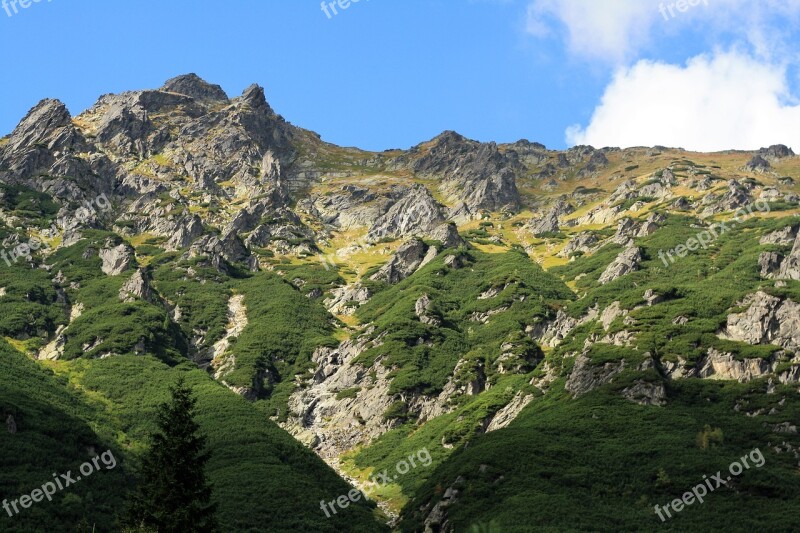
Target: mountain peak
x=254 y=95
x=195 y=87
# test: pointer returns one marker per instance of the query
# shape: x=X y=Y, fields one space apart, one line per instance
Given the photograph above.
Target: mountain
x=546 y=340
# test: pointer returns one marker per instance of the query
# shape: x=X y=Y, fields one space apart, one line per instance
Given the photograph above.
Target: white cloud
x=715 y=102
x=607 y=29
x=617 y=30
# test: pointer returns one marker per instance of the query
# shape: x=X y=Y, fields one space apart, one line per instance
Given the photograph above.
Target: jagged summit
x=194 y=86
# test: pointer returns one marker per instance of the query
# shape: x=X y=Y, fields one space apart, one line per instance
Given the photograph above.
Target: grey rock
x=137 y=287
x=625 y=263
x=646 y=393
x=477 y=174
x=116 y=260
x=585 y=377
x=405 y=261
x=194 y=86
x=769 y=263
x=776 y=152
x=784 y=236
x=423 y=308
x=766 y=320
x=758 y=164
x=790 y=268
x=416 y=213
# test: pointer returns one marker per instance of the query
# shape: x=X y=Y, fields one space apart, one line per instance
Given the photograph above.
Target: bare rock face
x=507 y=414
x=776 y=152
x=11 y=424
x=553 y=332
x=45 y=119
x=548 y=224
x=784 y=237
x=116 y=260
x=424 y=311
x=718 y=365
x=477 y=174
x=769 y=263
x=625 y=263
x=333 y=425
x=345 y=300
x=735 y=197
x=767 y=320
x=585 y=377
x=583 y=242
x=790 y=268
x=448 y=235
x=417 y=213
x=185 y=234
x=137 y=287
x=353 y=206
x=405 y=261
x=646 y=393
x=193 y=86
x=758 y=164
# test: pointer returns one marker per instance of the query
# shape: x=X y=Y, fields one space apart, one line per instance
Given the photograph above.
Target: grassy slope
x=55 y=429
x=601 y=462
x=262 y=477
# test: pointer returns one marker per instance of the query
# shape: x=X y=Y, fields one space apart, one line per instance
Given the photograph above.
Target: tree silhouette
x=173 y=495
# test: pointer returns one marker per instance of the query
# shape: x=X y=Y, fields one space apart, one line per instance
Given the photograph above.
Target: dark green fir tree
x=173 y=494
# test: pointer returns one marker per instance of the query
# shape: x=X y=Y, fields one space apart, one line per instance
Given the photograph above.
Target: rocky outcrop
x=192 y=85
x=116 y=259
x=410 y=257
x=417 y=213
x=423 y=308
x=758 y=164
x=719 y=365
x=551 y=333
x=769 y=263
x=783 y=237
x=646 y=393
x=583 y=242
x=477 y=174
x=447 y=235
x=345 y=300
x=548 y=224
x=507 y=414
x=137 y=288
x=735 y=197
x=625 y=263
x=776 y=152
x=766 y=320
x=586 y=376
x=186 y=233
x=715 y=364
x=790 y=267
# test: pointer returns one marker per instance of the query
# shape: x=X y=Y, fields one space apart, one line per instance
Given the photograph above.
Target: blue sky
x=387 y=73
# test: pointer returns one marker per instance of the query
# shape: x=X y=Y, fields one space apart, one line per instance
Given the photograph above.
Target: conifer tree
x=174 y=495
